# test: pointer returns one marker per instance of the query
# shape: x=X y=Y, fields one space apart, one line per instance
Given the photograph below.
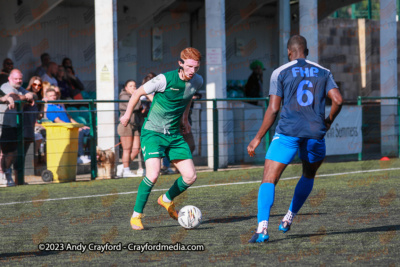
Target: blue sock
x=303 y=189
x=266 y=195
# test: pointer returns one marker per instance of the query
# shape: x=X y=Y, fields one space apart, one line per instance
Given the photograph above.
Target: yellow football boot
x=136 y=222
x=169 y=206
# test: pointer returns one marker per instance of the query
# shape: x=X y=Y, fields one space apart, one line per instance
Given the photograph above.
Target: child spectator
x=57 y=113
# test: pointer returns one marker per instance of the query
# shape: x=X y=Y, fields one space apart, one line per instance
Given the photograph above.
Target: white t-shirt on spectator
x=51 y=80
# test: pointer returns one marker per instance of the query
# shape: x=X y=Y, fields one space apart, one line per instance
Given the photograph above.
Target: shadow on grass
x=385 y=228
x=176 y=226
x=229 y=219
x=22 y=255
x=233 y=219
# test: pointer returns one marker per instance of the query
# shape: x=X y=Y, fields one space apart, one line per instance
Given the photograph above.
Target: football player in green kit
x=161 y=131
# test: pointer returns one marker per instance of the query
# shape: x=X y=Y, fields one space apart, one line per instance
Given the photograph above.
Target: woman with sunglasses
x=36 y=113
x=36 y=86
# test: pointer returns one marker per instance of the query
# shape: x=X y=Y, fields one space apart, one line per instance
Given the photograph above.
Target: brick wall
x=339 y=51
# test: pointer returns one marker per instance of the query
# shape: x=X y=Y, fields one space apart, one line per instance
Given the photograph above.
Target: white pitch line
x=192 y=187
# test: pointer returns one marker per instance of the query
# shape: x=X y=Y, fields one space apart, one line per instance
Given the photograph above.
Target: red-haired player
x=161 y=131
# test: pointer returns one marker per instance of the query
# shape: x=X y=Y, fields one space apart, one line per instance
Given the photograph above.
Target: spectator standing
x=8 y=120
x=9 y=101
x=130 y=135
x=42 y=69
x=254 y=85
x=8 y=65
x=35 y=86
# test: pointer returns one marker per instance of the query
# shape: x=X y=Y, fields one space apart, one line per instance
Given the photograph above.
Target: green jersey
x=172 y=95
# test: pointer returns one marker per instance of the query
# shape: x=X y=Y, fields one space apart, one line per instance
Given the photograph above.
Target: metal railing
x=378 y=100
x=216 y=122
x=217 y=108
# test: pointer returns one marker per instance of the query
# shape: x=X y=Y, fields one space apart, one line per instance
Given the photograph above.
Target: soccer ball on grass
x=189 y=217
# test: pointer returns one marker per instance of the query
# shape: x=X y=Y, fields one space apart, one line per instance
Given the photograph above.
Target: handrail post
x=359 y=102
x=21 y=148
x=215 y=135
x=93 y=140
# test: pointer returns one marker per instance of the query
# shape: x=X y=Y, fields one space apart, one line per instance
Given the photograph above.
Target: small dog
x=105 y=164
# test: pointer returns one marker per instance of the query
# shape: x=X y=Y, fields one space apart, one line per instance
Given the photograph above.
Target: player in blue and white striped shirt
x=301 y=86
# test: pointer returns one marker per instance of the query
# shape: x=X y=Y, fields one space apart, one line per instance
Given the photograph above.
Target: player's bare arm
x=269 y=118
x=185 y=125
x=336 y=97
x=150 y=97
x=132 y=103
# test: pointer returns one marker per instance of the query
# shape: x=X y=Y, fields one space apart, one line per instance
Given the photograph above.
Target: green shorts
x=159 y=145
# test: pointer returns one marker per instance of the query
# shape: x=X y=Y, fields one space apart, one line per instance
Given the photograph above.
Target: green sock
x=177 y=188
x=143 y=194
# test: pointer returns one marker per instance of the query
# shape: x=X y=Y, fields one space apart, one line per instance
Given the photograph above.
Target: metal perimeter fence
x=222 y=130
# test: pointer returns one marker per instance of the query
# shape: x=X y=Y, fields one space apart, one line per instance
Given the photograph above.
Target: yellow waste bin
x=62 y=151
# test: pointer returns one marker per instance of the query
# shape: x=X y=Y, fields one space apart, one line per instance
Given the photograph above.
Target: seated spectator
x=8 y=65
x=66 y=62
x=76 y=84
x=45 y=86
x=42 y=69
x=57 y=113
x=50 y=75
x=63 y=83
x=45 y=98
x=8 y=120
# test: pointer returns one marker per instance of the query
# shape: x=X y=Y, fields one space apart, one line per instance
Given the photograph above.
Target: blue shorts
x=283 y=149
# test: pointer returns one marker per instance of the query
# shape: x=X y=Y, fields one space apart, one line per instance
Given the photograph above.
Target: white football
x=189 y=217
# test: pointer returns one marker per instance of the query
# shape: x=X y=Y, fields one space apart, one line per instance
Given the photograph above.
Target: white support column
x=216 y=78
x=284 y=30
x=106 y=71
x=388 y=77
x=309 y=26
x=364 y=43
